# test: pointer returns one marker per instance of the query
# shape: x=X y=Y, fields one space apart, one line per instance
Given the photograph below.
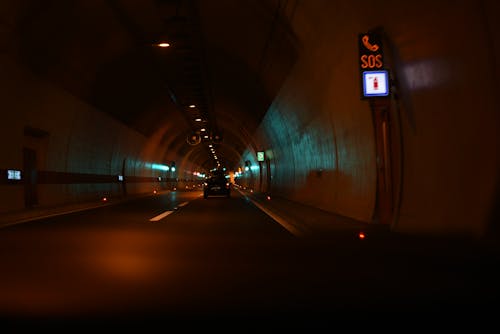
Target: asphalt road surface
x=180 y=261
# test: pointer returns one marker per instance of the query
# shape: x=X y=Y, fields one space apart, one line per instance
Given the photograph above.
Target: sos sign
x=370 y=52
x=374 y=78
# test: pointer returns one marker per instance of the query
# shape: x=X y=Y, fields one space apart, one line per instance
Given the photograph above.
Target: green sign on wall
x=260 y=156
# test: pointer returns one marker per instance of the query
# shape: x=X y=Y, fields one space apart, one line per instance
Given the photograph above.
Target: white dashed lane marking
x=160 y=216
x=166 y=213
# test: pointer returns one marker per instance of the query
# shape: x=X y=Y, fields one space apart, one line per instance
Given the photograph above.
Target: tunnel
x=381 y=116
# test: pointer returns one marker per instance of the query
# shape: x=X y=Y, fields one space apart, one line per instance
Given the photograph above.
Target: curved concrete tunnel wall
x=80 y=143
x=319 y=135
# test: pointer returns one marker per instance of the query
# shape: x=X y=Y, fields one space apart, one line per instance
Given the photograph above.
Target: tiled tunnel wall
x=80 y=152
x=319 y=136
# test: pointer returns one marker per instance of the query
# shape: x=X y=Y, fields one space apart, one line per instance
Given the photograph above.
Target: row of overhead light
x=192 y=106
x=212 y=149
x=198 y=119
x=206 y=136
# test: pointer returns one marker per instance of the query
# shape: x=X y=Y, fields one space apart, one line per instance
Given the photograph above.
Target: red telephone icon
x=367 y=44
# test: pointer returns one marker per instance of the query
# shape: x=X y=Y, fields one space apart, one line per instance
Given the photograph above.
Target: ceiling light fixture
x=163 y=45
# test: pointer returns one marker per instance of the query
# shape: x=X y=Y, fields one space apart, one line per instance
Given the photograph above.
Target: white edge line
x=67 y=212
x=160 y=216
x=183 y=204
x=289 y=227
x=51 y=215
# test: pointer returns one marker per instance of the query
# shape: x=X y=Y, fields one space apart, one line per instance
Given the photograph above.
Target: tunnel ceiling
x=227 y=58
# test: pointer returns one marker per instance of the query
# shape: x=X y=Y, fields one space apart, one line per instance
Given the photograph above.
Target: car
x=217 y=184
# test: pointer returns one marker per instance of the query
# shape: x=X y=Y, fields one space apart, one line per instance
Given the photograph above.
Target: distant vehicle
x=217 y=184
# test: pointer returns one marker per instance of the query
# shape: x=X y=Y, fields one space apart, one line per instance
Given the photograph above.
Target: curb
x=13 y=218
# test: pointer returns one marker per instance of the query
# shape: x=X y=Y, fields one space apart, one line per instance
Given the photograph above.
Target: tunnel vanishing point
x=280 y=93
